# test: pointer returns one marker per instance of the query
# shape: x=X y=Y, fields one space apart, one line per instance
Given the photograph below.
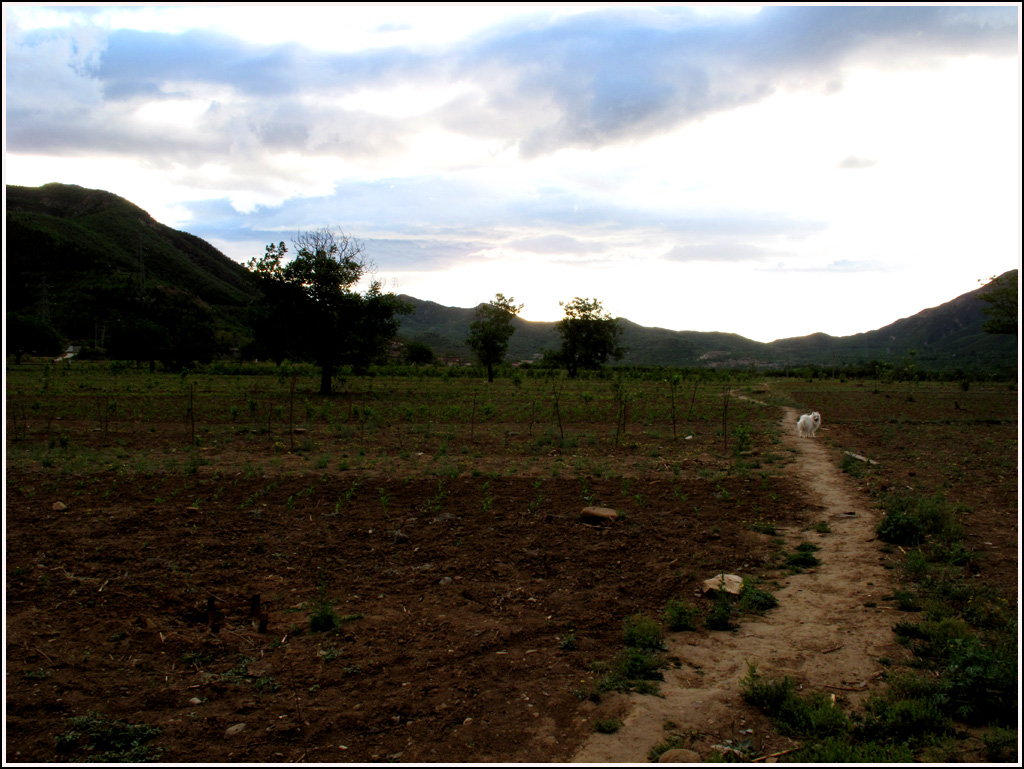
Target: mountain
x=946 y=337
x=94 y=266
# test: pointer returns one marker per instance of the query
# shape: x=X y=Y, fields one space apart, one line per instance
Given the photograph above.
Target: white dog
x=808 y=424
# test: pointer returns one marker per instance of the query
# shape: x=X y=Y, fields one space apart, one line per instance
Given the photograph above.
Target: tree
x=418 y=354
x=1001 y=295
x=490 y=332
x=27 y=334
x=312 y=310
x=590 y=336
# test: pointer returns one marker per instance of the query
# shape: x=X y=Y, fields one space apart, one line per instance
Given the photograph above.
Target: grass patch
x=98 y=738
x=680 y=615
x=754 y=600
x=642 y=632
x=631 y=670
x=607 y=725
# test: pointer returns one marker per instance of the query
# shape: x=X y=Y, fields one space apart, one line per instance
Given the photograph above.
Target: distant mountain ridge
x=949 y=336
x=73 y=253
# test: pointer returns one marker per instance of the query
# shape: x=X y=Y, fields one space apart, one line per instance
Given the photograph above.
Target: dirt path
x=822 y=633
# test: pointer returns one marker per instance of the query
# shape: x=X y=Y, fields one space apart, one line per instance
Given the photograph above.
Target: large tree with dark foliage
x=590 y=336
x=311 y=308
x=490 y=332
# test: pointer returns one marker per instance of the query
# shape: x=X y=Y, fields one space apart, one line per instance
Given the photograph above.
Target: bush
x=632 y=670
x=680 y=616
x=811 y=715
x=607 y=725
x=755 y=600
x=720 y=616
x=642 y=632
x=899 y=529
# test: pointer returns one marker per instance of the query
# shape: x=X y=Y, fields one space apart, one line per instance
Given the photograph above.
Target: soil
x=472 y=603
x=827 y=632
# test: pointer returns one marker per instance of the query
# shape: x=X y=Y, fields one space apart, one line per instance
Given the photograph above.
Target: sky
x=770 y=171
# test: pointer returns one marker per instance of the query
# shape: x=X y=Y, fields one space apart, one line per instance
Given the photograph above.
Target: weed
x=642 y=632
x=607 y=725
x=803 y=558
x=763 y=527
x=266 y=684
x=672 y=743
x=322 y=617
x=754 y=600
x=792 y=714
x=101 y=739
x=720 y=616
x=568 y=642
x=631 y=670
x=680 y=615
x=1000 y=745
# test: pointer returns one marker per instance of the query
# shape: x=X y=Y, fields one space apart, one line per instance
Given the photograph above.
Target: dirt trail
x=821 y=634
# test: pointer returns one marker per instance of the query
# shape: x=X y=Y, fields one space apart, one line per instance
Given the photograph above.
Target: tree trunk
x=326 y=374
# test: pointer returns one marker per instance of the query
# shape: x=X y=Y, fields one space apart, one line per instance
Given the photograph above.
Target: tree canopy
x=1001 y=295
x=311 y=308
x=490 y=332
x=590 y=336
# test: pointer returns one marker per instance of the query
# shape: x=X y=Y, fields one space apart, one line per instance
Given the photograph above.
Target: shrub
x=607 y=725
x=642 y=632
x=720 y=616
x=811 y=715
x=755 y=600
x=680 y=616
x=899 y=529
x=632 y=670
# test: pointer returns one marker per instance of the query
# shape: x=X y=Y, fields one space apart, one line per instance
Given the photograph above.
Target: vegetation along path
x=826 y=633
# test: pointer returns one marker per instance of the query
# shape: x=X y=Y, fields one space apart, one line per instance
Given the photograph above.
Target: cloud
x=556 y=244
x=720 y=252
x=853 y=162
x=578 y=80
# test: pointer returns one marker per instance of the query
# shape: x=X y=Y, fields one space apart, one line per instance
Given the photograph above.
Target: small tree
x=590 y=336
x=311 y=308
x=490 y=332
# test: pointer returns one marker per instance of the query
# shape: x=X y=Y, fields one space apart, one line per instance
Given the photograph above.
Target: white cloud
x=634 y=153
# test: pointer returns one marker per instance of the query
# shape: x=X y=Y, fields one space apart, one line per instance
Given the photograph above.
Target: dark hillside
x=102 y=272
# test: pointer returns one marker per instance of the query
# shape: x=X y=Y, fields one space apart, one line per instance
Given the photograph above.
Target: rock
x=599 y=514
x=195 y=701
x=730 y=583
x=231 y=731
x=679 y=756
x=59 y=507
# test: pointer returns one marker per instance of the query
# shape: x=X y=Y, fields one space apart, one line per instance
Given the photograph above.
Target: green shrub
x=720 y=616
x=814 y=714
x=899 y=529
x=632 y=670
x=802 y=559
x=840 y=750
x=1000 y=745
x=323 y=618
x=754 y=600
x=680 y=616
x=642 y=632
x=607 y=725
